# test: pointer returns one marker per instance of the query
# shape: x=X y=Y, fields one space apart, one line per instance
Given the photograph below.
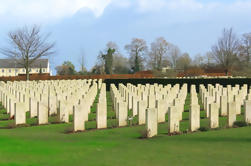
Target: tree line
x=231 y=53
x=161 y=54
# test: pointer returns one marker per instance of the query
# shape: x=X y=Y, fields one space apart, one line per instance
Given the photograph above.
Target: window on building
x=29 y=70
x=43 y=70
x=10 y=70
x=23 y=70
x=16 y=70
x=2 y=70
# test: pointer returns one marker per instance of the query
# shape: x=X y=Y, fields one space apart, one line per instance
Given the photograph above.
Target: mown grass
x=49 y=145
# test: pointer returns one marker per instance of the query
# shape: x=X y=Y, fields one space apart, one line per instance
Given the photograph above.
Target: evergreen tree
x=108 y=59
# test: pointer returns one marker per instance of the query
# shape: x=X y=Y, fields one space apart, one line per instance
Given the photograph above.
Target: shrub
x=114 y=123
x=4 y=117
x=135 y=120
x=32 y=122
x=240 y=124
x=55 y=120
x=2 y=110
x=203 y=129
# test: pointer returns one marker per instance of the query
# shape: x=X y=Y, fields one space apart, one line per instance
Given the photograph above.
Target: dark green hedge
x=172 y=81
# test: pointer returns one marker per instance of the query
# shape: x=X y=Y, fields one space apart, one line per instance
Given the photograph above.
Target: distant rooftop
x=13 y=63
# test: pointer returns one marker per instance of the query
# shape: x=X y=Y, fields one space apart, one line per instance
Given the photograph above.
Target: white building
x=13 y=67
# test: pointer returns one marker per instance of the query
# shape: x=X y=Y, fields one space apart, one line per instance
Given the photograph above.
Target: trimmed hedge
x=173 y=81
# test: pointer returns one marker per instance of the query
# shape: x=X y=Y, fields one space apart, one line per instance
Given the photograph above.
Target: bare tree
x=26 y=45
x=137 y=50
x=174 y=53
x=245 y=48
x=184 y=61
x=226 y=50
x=99 y=67
x=158 y=53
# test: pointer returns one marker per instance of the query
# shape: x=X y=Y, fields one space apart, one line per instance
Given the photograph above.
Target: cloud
x=51 y=10
x=185 y=11
x=192 y=5
x=44 y=10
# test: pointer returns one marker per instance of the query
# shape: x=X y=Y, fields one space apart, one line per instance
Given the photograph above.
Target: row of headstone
x=150 y=103
x=52 y=99
x=149 y=100
x=236 y=97
x=101 y=114
x=225 y=101
x=194 y=111
x=82 y=109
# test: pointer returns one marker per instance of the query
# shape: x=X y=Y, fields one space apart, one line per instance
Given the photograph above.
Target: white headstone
x=213 y=115
x=151 y=122
x=173 y=120
x=20 y=113
x=247 y=111
x=194 y=117
x=231 y=113
x=142 y=106
x=122 y=113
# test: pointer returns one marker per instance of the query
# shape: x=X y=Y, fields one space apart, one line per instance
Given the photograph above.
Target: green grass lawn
x=49 y=145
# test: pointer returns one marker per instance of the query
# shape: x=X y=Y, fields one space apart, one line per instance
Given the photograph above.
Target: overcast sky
x=87 y=25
